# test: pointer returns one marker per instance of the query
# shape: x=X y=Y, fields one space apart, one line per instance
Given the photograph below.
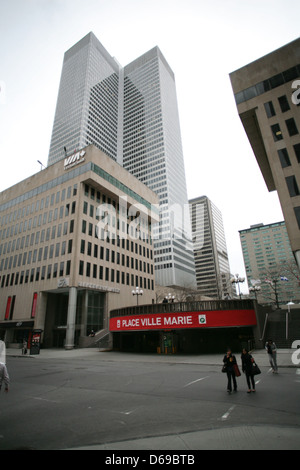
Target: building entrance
x=194 y=341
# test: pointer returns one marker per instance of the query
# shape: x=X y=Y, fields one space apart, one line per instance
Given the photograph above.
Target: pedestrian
x=24 y=348
x=4 y=377
x=247 y=366
x=229 y=363
x=272 y=353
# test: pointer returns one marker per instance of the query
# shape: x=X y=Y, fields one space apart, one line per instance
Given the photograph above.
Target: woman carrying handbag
x=229 y=366
x=248 y=366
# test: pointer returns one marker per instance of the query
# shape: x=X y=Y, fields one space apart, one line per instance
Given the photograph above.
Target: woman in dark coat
x=247 y=365
x=229 y=361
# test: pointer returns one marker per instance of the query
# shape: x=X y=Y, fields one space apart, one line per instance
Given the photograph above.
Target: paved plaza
x=107 y=400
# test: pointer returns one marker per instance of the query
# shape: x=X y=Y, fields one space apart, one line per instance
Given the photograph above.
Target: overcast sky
x=202 y=40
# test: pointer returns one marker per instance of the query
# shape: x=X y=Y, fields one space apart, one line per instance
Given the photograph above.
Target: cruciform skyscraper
x=131 y=114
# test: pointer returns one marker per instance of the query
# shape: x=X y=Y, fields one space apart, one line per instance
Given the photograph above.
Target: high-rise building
x=87 y=104
x=131 y=114
x=269 y=262
x=268 y=98
x=70 y=250
x=210 y=250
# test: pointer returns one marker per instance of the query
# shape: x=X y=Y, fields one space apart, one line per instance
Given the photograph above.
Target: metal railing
x=265 y=326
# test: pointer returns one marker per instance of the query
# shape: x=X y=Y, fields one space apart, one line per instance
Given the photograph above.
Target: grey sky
x=202 y=40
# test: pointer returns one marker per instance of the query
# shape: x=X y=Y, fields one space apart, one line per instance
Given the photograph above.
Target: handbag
x=236 y=370
x=224 y=369
x=255 y=369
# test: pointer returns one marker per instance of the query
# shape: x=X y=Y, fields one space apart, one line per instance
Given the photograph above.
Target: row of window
x=48 y=252
x=268 y=84
x=116 y=257
x=291 y=128
x=36 y=274
x=283 y=103
x=113 y=275
x=35 y=238
x=91 y=230
x=39 y=205
x=285 y=158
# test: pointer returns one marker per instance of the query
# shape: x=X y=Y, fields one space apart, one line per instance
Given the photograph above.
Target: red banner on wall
x=7 y=311
x=34 y=303
x=165 y=321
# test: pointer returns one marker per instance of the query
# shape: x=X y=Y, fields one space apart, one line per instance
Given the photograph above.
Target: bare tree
x=275 y=276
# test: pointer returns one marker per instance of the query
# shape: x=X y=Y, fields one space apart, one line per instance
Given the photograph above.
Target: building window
x=89 y=249
x=284 y=104
x=297 y=151
x=94 y=271
x=270 y=111
x=276 y=131
x=297 y=214
x=55 y=268
x=61 y=269
x=88 y=269
x=292 y=186
x=49 y=269
x=80 y=268
x=68 y=268
x=291 y=127
x=284 y=158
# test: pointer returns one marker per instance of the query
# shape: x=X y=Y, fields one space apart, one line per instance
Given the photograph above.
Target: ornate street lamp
x=170 y=298
x=137 y=292
x=237 y=280
x=255 y=290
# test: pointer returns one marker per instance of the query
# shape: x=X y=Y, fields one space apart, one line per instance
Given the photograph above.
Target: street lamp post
x=137 y=292
x=255 y=290
x=170 y=298
x=237 y=280
x=287 y=319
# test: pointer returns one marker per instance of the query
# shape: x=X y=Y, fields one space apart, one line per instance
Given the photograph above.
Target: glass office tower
x=87 y=104
x=131 y=114
x=210 y=249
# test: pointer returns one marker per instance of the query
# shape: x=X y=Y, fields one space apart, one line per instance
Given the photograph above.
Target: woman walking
x=229 y=362
x=247 y=366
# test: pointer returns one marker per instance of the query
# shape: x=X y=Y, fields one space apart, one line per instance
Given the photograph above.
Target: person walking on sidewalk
x=229 y=362
x=272 y=353
x=4 y=377
x=24 y=348
x=247 y=366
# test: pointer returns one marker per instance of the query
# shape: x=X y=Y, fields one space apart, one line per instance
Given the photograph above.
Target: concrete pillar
x=41 y=311
x=70 y=333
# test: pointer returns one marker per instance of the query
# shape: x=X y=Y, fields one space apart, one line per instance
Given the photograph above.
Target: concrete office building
x=269 y=263
x=267 y=97
x=210 y=250
x=131 y=114
x=75 y=241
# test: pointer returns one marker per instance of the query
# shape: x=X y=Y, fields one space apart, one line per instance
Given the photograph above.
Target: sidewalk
x=284 y=356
